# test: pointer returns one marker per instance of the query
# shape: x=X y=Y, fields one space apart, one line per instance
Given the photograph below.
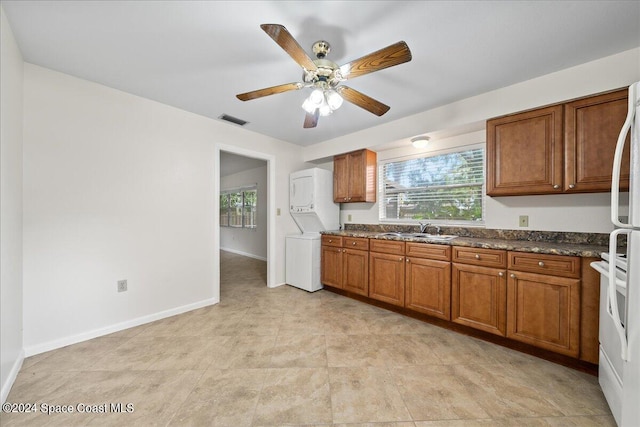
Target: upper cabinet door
x=341 y=178
x=354 y=177
x=524 y=153
x=591 y=128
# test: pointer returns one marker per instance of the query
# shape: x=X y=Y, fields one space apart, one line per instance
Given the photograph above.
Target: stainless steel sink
x=433 y=236
x=443 y=237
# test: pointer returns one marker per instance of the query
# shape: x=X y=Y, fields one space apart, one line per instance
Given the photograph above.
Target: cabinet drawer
x=426 y=250
x=479 y=256
x=356 y=243
x=556 y=265
x=387 y=246
x=332 y=241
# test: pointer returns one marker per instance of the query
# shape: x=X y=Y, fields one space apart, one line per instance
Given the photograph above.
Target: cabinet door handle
x=541 y=264
x=477 y=256
x=408 y=260
x=572 y=186
x=354 y=243
x=513 y=276
x=555 y=187
x=330 y=240
x=501 y=274
x=344 y=251
x=400 y=259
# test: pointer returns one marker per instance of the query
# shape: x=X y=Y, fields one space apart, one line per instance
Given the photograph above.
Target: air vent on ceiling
x=233 y=120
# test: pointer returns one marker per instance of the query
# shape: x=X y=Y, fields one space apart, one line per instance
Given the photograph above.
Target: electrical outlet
x=524 y=220
x=349 y=217
x=122 y=285
x=278 y=212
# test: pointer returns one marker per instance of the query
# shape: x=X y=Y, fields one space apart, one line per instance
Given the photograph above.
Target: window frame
x=238 y=208
x=434 y=153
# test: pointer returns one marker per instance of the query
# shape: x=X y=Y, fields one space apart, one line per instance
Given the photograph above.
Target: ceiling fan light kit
x=325 y=100
x=325 y=76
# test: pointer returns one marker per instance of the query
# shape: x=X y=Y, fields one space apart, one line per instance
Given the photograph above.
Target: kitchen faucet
x=424 y=225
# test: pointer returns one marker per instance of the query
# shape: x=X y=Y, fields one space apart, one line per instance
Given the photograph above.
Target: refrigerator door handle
x=612 y=295
x=617 y=160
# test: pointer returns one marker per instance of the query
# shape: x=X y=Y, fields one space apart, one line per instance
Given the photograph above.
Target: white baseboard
x=74 y=339
x=234 y=251
x=13 y=374
x=278 y=285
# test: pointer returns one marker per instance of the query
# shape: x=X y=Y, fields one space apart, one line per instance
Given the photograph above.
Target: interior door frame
x=271 y=220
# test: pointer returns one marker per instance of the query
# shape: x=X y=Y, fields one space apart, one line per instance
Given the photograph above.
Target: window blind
x=439 y=187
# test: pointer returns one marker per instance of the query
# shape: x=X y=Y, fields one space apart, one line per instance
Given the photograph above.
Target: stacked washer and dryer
x=312 y=208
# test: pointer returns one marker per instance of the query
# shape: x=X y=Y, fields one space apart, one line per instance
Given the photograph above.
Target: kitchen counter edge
x=568 y=249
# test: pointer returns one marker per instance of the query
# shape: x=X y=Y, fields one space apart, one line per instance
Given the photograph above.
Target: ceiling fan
x=325 y=76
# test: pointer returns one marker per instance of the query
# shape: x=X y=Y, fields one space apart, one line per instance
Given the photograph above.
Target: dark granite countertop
x=572 y=244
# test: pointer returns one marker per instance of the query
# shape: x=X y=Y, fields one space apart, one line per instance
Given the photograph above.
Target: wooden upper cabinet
x=591 y=129
x=354 y=177
x=524 y=153
x=341 y=178
x=563 y=148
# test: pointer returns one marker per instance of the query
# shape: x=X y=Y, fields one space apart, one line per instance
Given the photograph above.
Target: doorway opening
x=244 y=224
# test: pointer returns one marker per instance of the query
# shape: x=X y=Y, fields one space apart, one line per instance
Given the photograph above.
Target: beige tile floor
x=276 y=357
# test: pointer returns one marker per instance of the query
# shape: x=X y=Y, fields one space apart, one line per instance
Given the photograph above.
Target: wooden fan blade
x=384 y=58
x=286 y=41
x=269 y=91
x=362 y=100
x=311 y=119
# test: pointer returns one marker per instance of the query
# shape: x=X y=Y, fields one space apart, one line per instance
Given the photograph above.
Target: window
x=238 y=207
x=447 y=187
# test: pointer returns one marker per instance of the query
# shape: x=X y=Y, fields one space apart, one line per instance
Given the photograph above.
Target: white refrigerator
x=619 y=362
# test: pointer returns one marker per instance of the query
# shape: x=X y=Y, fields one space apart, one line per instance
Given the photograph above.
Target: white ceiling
x=197 y=55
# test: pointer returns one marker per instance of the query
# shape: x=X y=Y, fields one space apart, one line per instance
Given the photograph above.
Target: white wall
x=246 y=241
x=11 y=84
x=573 y=213
x=120 y=187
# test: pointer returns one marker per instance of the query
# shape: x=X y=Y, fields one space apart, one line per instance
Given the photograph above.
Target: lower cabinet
x=355 y=271
x=331 y=266
x=479 y=297
x=535 y=300
x=479 y=289
x=428 y=287
x=532 y=298
x=544 y=311
x=386 y=277
x=345 y=264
